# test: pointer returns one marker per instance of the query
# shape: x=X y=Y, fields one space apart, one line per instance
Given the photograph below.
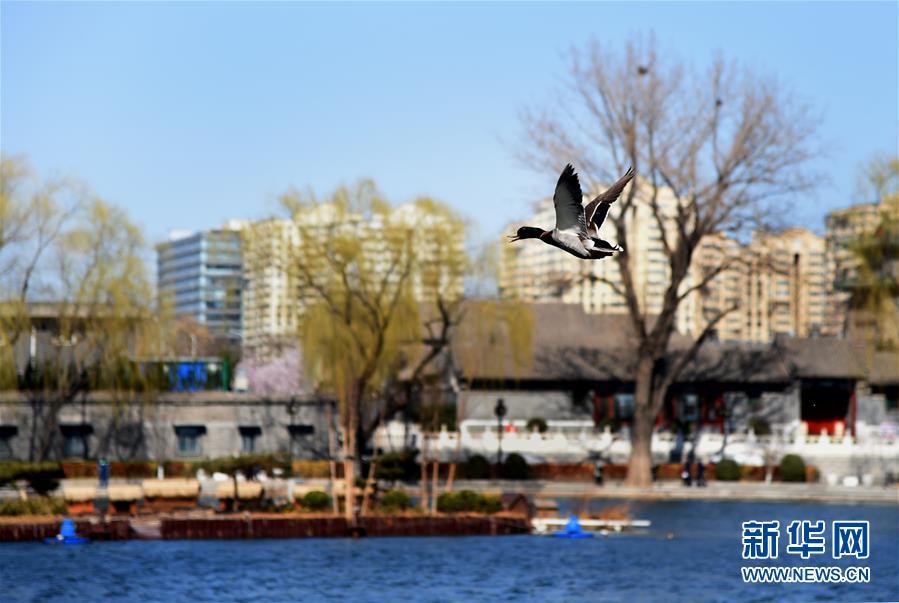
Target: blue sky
x=188 y=114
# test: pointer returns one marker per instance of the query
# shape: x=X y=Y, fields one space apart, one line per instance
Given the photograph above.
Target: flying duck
x=577 y=227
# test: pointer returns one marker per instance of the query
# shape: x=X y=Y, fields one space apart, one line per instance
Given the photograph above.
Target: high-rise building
x=200 y=275
x=789 y=284
x=271 y=297
x=845 y=227
x=726 y=291
x=534 y=272
x=867 y=229
x=778 y=284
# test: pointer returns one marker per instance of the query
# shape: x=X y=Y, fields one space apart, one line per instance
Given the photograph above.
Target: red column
x=719 y=411
x=852 y=412
x=659 y=417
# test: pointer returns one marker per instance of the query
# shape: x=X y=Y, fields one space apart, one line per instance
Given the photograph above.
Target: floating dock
x=546 y=525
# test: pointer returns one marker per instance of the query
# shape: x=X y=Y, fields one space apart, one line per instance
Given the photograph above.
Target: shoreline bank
x=243 y=526
x=714 y=491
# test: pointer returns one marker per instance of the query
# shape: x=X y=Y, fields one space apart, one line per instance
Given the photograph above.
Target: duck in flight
x=577 y=227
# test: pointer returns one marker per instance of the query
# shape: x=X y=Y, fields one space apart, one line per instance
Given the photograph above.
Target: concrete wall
x=135 y=431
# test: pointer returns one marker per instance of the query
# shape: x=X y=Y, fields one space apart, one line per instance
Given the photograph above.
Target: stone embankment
x=243 y=526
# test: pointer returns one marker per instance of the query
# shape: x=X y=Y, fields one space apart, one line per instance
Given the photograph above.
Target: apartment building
x=534 y=272
x=845 y=228
x=273 y=295
x=788 y=284
x=775 y=285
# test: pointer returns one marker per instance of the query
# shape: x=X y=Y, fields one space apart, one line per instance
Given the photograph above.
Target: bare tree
x=718 y=146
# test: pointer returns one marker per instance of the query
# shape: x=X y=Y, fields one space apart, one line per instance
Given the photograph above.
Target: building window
x=301 y=440
x=7 y=433
x=624 y=406
x=74 y=440
x=189 y=439
x=689 y=407
x=248 y=435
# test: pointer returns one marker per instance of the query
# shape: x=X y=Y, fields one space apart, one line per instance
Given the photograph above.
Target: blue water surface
x=701 y=562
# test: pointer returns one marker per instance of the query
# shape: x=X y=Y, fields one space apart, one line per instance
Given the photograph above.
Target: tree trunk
x=32 y=441
x=451 y=476
x=434 y=481
x=349 y=476
x=332 y=463
x=639 y=467
x=423 y=463
x=369 y=483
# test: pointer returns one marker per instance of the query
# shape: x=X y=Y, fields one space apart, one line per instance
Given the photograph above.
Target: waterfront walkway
x=715 y=490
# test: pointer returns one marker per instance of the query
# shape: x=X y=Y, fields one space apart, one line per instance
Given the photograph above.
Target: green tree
x=874 y=293
x=380 y=290
x=64 y=244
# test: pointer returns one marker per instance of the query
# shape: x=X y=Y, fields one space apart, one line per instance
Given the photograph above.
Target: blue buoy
x=67 y=534
x=573 y=529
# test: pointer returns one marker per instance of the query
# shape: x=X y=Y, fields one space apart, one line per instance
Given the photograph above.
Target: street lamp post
x=500 y=411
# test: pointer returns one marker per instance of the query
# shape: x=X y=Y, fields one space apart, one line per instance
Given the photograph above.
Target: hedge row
x=467 y=501
x=43 y=505
x=395 y=500
x=514 y=467
x=791 y=469
x=42 y=477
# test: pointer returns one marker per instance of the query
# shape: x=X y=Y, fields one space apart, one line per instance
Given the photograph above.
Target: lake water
x=700 y=563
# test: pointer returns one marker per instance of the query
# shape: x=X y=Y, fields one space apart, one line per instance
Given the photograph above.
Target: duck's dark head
x=526 y=232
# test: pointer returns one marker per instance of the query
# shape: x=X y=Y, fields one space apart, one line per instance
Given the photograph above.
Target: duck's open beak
x=512 y=238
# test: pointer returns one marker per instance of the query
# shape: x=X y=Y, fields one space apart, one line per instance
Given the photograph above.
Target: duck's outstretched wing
x=568 y=201
x=597 y=209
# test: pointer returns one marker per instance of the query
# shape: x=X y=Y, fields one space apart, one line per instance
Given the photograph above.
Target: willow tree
x=726 y=145
x=373 y=281
x=33 y=215
x=874 y=292
x=63 y=244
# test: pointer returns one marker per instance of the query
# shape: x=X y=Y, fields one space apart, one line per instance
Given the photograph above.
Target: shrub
x=396 y=500
x=538 y=423
x=8 y=472
x=398 y=466
x=42 y=477
x=316 y=500
x=34 y=506
x=467 y=501
x=477 y=467
x=515 y=467
x=759 y=426
x=792 y=468
x=727 y=471
x=448 y=502
x=491 y=504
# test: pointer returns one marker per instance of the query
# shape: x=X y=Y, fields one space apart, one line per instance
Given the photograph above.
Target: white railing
x=578 y=441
